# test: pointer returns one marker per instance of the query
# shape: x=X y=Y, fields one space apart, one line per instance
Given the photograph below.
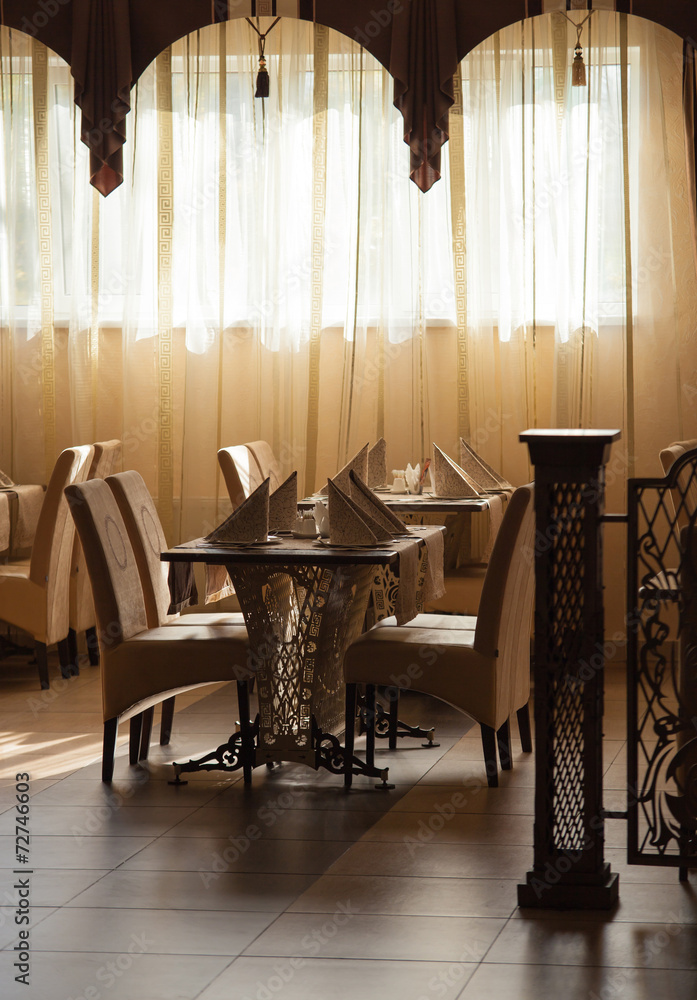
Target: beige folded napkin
x=374 y=507
x=359 y=463
x=377 y=464
x=249 y=522
x=283 y=504
x=346 y=525
x=475 y=466
x=449 y=480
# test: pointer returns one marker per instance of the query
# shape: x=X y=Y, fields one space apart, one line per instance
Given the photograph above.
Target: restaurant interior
x=323 y=643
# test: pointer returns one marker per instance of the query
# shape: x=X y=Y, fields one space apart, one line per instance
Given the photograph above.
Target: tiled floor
x=294 y=889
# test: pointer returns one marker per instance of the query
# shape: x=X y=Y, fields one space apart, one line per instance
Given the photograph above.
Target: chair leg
x=42 y=663
x=370 y=725
x=73 y=653
x=489 y=745
x=64 y=658
x=166 y=721
x=134 y=740
x=349 y=734
x=393 y=701
x=523 y=715
x=92 y=646
x=109 y=749
x=146 y=733
x=503 y=738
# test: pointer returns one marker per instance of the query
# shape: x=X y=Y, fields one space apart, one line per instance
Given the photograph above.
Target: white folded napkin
x=449 y=480
x=475 y=466
x=283 y=504
x=249 y=522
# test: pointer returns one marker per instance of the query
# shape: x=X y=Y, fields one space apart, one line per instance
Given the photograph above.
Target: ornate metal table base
x=300 y=619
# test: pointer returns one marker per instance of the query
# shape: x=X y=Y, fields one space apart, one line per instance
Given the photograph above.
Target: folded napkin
x=347 y=525
x=475 y=466
x=373 y=506
x=359 y=463
x=249 y=522
x=283 y=504
x=377 y=464
x=449 y=480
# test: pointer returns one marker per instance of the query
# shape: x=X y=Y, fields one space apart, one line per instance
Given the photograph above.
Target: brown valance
x=108 y=44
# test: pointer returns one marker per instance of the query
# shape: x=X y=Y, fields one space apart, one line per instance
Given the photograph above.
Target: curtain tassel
x=262 y=79
x=578 y=70
x=262 y=73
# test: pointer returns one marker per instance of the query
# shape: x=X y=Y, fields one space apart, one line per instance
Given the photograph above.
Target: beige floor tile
x=347 y=979
x=411 y=896
x=242 y=854
x=552 y=982
x=87 y=723
x=130 y=975
x=80 y=822
x=49 y=887
x=276 y=823
x=140 y=790
x=475 y=797
x=65 y=852
x=460 y=770
x=440 y=827
x=9 y=929
x=345 y=933
x=565 y=941
x=168 y=932
x=194 y=891
x=434 y=860
x=271 y=790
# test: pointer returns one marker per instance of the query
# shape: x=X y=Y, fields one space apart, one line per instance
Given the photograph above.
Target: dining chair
x=81 y=606
x=269 y=466
x=147 y=537
x=34 y=592
x=480 y=665
x=685 y=496
x=141 y=665
x=241 y=472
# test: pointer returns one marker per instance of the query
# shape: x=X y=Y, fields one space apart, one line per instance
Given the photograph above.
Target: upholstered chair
x=141 y=666
x=106 y=456
x=269 y=465
x=241 y=472
x=148 y=540
x=480 y=665
x=686 y=479
x=34 y=593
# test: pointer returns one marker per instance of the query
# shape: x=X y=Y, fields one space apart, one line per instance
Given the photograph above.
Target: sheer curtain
x=267 y=270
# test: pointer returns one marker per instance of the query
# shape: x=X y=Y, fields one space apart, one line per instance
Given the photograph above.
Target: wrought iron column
x=569 y=871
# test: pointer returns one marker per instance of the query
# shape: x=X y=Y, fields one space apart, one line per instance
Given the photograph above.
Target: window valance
x=109 y=43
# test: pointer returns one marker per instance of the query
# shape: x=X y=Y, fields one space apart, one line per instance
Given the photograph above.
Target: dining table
x=304 y=602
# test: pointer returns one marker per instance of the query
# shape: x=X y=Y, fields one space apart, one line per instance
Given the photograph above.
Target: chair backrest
x=49 y=566
x=111 y=563
x=269 y=466
x=106 y=456
x=506 y=604
x=148 y=540
x=241 y=472
x=684 y=498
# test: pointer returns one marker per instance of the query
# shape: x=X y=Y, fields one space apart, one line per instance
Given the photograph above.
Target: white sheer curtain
x=267 y=270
